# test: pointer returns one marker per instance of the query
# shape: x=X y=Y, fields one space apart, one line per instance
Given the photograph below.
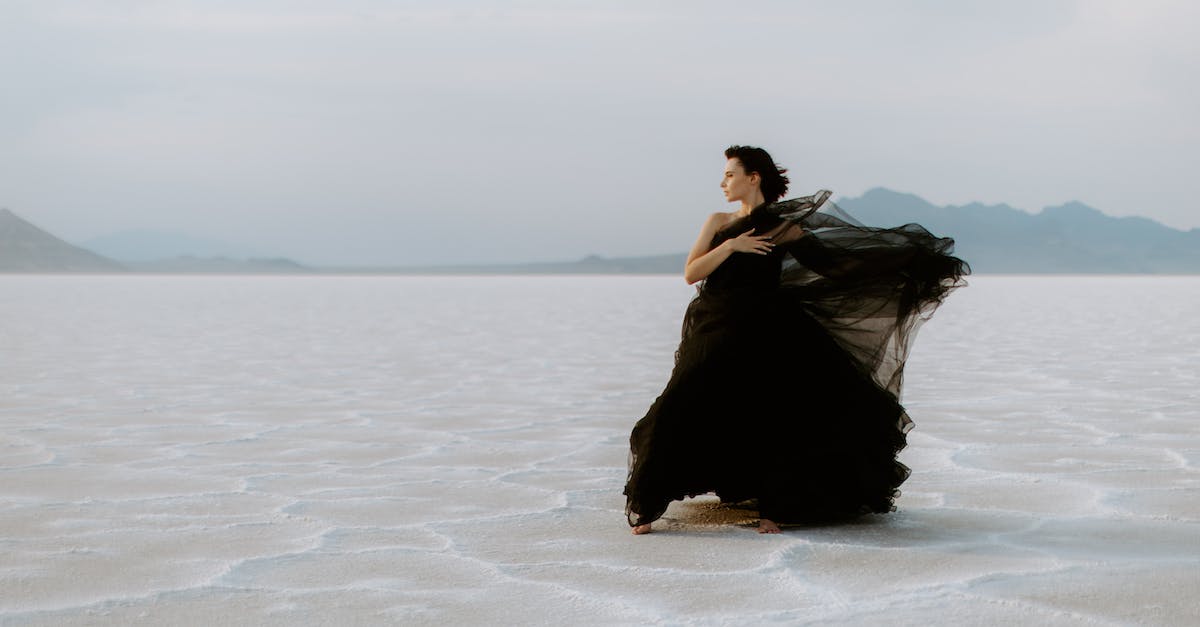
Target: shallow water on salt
x=317 y=450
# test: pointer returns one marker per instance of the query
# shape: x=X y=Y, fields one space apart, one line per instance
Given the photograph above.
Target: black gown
x=786 y=385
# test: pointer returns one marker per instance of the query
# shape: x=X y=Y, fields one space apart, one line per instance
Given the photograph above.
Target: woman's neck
x=750 y=203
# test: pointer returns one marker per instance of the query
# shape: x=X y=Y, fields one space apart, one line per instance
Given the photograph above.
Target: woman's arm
x=702 y=261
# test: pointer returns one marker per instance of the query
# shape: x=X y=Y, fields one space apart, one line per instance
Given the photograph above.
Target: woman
x=787 y=379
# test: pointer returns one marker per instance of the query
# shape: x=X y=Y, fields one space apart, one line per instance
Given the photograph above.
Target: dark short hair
x=774 y=184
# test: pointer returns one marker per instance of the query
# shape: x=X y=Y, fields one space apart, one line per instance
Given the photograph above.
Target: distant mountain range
x=26 y=248
x=1071 y=238
x=1067 y=239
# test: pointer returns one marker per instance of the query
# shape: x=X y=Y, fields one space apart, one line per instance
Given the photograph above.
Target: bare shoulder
x=707 y=233
x=718 y=220
x=714 y=223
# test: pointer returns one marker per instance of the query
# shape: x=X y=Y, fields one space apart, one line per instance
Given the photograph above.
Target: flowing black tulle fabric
x=786 y=386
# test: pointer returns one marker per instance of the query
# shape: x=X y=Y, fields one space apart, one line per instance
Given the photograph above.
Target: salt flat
x=451 y=450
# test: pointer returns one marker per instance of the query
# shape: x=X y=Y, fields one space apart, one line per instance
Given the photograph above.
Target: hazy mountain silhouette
x=26 y=248
x=1070 y=238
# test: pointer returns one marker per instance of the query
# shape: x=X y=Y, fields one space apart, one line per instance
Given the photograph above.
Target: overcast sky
x=363 y=132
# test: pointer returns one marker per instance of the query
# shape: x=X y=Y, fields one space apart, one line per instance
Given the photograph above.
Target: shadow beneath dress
x=905 y=528
x=959 y=532
x=707 y=513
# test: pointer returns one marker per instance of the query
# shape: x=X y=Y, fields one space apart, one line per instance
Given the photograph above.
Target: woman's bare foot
x=765 y=525
x=640 y=529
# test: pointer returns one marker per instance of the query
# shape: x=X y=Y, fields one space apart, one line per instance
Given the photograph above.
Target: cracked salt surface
x=451 y=450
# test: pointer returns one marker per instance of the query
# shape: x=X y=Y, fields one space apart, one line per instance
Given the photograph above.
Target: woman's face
x=738 y=185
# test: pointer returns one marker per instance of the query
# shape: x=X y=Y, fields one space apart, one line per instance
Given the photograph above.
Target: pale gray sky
x=361 y=132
